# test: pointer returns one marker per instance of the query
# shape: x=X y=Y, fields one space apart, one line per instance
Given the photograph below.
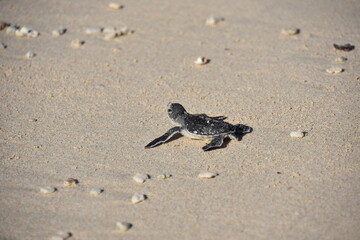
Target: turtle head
x=176 y=112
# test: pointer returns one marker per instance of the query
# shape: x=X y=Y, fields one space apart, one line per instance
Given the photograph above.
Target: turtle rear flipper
x=171 y=132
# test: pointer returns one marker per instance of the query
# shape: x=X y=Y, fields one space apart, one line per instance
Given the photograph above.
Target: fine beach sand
x=88 y=112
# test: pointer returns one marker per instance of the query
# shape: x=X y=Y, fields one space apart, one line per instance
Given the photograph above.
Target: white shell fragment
x=164 y=176
x=70 y=182
x=110 y=36
x=207 y=175
x=211 y=21
x=58 y=32
x=123 y=226
x=30 y=54
x=341 y=59
x=93 y=30
x=115 y=6
x=290 y=31
x=11 y=29
x=96 y=191
x=141 y=177
x=61 y=236
x=26 y=32
x=76 y=43
x=201 y=61
x=297 y=134
x=138 y=198
x=334 y=70
x=48 y=189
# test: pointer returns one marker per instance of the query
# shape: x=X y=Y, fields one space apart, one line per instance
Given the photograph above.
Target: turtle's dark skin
x=200 y=126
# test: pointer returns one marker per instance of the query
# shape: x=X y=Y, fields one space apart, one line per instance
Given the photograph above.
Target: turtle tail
x=241 y=129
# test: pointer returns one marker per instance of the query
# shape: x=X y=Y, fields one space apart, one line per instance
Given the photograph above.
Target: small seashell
x=30 y=54
x=334 y=70
x=11 y=29
x=3 y=25
x=207 y=175
x=138 y=197
x=297 y=134
x=341 y=59
x=290 y=31
x=96 y=191
x=76 y=43
x=123 y=226
x=48 y=189
x=201 y=61
x=115 y=6
x=93 y=30
x=2 y=46
x=164 y=176
x=141 y=177
x=58 y=32
x=70 y=182
x=110 y=36
x=61 y=236
x=346 y=47
x=211 y=21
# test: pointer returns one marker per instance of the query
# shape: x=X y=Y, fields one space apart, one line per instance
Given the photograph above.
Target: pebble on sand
x=290 y=31
x=58 y=32
x=110 y=36
x=76 y=43
x=96 y=191
x=61 y=236
x=71 y=182
x=212 y=21
x=48 y=189
x=207 y=175
x=334 y=70
x=26 y=32
x=201 y=61
x=138 y=198
x=123 y=226
x=341 y=59
x=115 y=6
x=2 y=46
x=141 y=177
x=297 y=134
x=346 y=47
x=164 y=176
x=30 y=54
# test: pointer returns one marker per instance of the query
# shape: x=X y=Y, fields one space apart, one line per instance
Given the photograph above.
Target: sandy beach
x=87 y=111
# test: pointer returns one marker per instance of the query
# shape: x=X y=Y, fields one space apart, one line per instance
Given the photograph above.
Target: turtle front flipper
x=215 y=142
x=171 y=132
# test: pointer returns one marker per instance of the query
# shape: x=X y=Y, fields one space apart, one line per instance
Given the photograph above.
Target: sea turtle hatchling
x=199 y=126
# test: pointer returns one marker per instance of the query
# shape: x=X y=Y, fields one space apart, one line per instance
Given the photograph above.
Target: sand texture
x=86 y=112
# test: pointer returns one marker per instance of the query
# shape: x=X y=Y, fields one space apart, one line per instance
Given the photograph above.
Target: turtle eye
x=169 y=110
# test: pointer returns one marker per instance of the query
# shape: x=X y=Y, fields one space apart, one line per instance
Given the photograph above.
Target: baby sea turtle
x=199 y=126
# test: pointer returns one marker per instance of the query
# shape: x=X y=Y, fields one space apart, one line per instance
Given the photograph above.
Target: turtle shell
x=205 y=126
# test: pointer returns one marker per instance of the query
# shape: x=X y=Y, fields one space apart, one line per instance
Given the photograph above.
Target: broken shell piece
x=96 y=191
x=211 y=21
x=164 y=176
x=70 y=182
x=141 y=177
x=334 y=70
x=207 y=175
x=201 y=61
x=93 y=30
x=123 y=226
x=76 y=43
x=58 y=32
x=290 y=31
x=61 y=236
x=341 y=59
x=346 y=47
x=297 y=134
x=48 y=189
x=138 y=198
x=115 y=6
x=30 y=54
